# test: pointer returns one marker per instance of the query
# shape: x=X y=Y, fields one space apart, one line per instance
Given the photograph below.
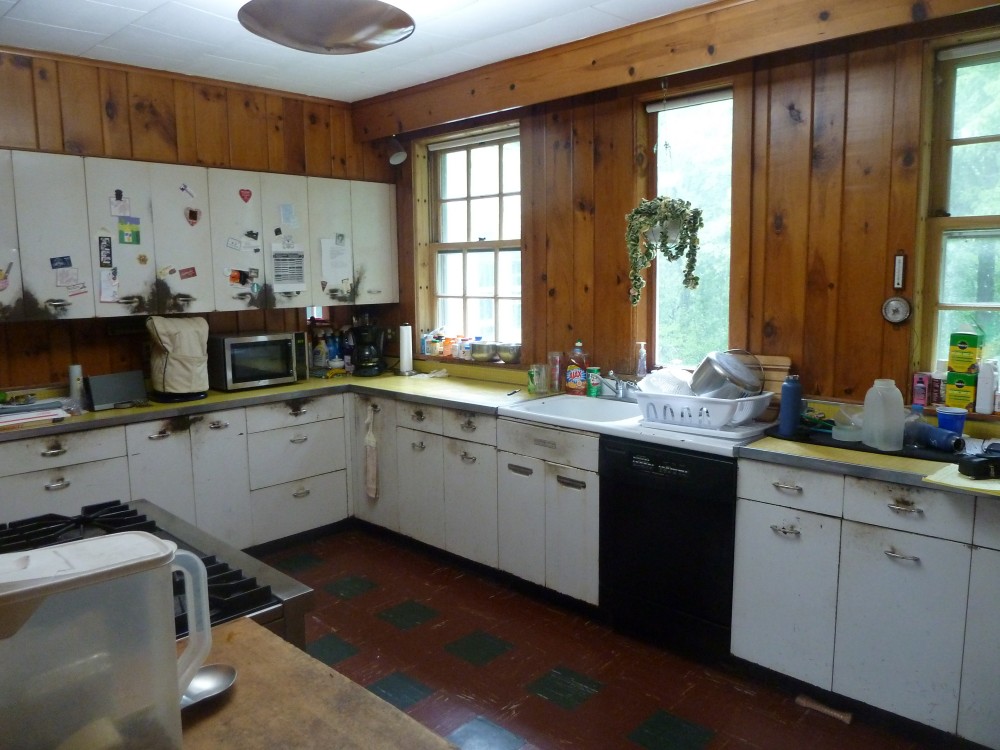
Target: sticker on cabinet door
x=119 y=204
x=105 y=258
x=109 y=285
x=192 y=215
x=128 y=230
x=187 y=273
x=246 y=194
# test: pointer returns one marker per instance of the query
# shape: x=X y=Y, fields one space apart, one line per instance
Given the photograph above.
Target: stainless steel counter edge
x=843 y=464
x=464 y=397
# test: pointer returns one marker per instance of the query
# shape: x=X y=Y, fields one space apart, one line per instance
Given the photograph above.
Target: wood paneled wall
x=90 y=109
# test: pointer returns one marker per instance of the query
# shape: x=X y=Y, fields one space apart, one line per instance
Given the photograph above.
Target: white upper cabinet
x=285 y=219
x=330 y=243
x=50 y=197
x=120 y=213
x=237 y=239
x=373 y=220
x=10 y=262
x=183 y=239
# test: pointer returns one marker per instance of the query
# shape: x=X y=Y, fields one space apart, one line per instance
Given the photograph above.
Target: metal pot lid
x=740 y=368
x=337 y=27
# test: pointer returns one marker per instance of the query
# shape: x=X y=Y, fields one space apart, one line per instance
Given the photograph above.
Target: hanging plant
x=668 y=226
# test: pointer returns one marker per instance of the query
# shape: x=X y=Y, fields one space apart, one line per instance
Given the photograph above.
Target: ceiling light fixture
x=397 y=154
x=327 y=27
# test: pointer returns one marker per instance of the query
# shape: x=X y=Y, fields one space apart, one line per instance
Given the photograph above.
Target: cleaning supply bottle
x=640 y=365
x=791 y=406
x=986 y=386
x=884 y=416
x=576 y=371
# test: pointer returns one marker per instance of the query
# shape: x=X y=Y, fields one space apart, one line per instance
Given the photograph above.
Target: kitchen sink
x=576 y=411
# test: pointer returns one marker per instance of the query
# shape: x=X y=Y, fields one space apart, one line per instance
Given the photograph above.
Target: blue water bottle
x=791 y=406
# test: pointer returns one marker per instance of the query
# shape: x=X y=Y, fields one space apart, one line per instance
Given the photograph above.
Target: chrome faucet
x=624 y=390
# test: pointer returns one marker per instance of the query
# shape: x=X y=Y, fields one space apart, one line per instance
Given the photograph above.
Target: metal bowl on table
x=483 y=351
x=730 y=374
x=509 y=353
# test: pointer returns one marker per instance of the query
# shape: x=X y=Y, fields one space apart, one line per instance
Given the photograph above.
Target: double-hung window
x=962 y=289
x=694 y=162
x=475 y=235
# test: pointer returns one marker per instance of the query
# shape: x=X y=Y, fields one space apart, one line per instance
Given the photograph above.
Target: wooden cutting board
x=284 y=698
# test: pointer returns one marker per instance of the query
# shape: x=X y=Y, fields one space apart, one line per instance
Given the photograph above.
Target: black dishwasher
x=667 y=532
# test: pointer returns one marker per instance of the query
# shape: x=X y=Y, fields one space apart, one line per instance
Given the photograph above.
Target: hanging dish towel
x=371 y=456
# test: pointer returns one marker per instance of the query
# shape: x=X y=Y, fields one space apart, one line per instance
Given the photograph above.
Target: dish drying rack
x=670 y=410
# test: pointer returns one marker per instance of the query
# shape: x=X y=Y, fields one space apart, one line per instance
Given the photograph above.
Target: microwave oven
x=238 y=361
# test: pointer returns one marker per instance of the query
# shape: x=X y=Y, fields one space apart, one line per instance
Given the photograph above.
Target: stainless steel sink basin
x=575 y=411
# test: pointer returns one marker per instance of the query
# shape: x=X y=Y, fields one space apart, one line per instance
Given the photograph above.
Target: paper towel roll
x=405 y=348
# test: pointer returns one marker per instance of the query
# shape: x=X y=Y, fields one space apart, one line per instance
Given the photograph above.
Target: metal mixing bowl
x=483 y=351
x=731 y=374
x=509 y=353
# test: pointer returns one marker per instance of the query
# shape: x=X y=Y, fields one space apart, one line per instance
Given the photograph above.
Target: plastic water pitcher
x=884 y=415
x=88 y=645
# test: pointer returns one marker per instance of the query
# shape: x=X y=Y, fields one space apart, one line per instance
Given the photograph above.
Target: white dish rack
x=701 y=412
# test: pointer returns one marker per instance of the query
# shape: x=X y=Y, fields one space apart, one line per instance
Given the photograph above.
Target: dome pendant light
x=327 y=27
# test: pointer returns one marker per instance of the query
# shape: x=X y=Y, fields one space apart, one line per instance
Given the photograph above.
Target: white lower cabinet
x=548 y=512
x=420 y=460
x=159 y=463
x=221 y=474
x=979 y=702
x=470 y=500
x=373 y=490
x=301 y=505
x=785 y=590
x=901 y=622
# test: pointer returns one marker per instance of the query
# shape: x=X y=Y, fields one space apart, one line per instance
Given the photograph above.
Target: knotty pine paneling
x=80 y=101
x=17 y=125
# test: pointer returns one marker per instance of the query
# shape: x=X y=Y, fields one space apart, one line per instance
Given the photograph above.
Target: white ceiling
x=203 y=38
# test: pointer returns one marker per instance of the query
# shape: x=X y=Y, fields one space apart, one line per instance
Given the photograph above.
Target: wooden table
x=284 y=698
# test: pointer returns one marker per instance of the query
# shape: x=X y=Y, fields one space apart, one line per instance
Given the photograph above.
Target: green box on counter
x=960 y=390
x=964 y=350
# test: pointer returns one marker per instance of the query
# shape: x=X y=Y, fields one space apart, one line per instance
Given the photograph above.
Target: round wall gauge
x=896 y=309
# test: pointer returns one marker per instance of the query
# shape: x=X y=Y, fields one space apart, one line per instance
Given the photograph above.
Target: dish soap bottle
x=576 y=371
x=640 y=365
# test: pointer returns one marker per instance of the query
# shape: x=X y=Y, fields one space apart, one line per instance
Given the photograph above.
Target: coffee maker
x=369 y=342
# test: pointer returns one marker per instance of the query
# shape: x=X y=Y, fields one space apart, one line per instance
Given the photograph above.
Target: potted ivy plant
x=665 y=226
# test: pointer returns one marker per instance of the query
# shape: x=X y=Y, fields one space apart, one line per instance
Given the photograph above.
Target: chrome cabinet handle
x=468 y=457
x=301 y=493
x=218 y=424
x=297 y=412
x=60 y=484
x=903 y=508
x=785 y=530
x=789 y=487
x=575 y=484
x=896 y=556
x=418 y=416
x=159 y=435
x=468 y=425
x=418 y=446
x=56 y=450
x=375 y=408
x=60 y=303
x=128 y=300
x=545 y=443
x=524 y=471
x=373 y=291
x=298 y=439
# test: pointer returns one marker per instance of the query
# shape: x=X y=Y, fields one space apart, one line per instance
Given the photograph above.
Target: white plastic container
x=88 y=645
x=986 y=386
x=882 y=427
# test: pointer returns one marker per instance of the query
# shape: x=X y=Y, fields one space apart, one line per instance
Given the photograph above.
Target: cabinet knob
x=218 y=425
x=301 y=493
x=903 y=507
x=418 y=415
x=59 y=303
x=297 y=412
x=897 y=556
x=786 y=487
x=59 y=484
x=55 y=450
x=298 y=439
x=159 y=435
x=468 y=457
x=468 y=425
x=418 y=446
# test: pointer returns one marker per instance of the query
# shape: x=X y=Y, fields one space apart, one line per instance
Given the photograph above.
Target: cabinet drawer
x=419 y=417
x=814 y=491
x=302 y=505
x=294 y=412
x=987 y=529
x=33 y=454
x=917 y=509
x=548 y=444
x=64 y=489
x=291 y=453
x=469 y=425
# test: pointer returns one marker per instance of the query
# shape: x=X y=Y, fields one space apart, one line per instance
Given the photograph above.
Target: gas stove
x=238 y=585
